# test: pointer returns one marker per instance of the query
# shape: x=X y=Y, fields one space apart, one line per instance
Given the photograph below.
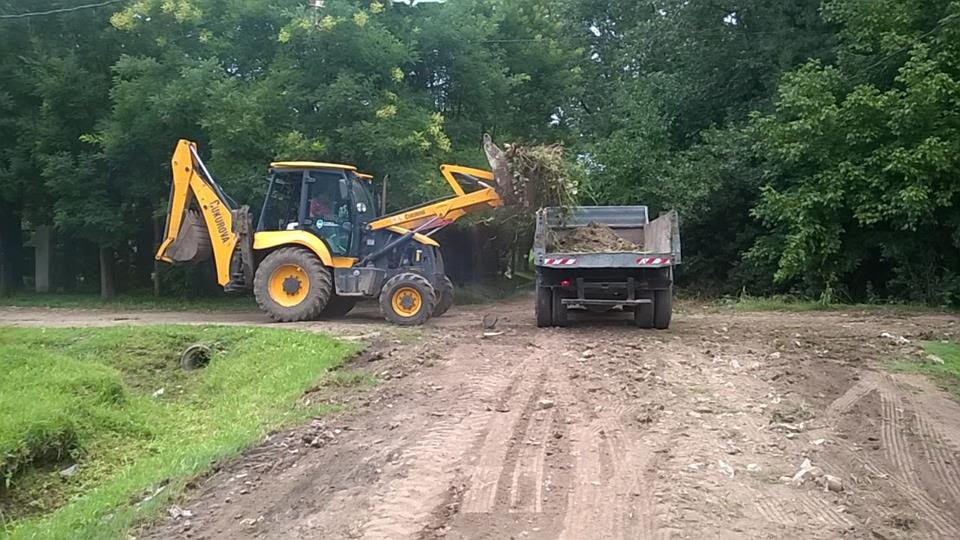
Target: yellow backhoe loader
x=320 y=244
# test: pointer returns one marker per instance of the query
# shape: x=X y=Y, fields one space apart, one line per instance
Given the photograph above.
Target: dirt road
x=601 y=431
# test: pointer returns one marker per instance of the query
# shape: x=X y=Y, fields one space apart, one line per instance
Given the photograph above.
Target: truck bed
x=657 y=243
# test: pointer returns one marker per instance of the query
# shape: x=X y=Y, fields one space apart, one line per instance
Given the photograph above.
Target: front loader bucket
x=501 y=169
x=193 y=242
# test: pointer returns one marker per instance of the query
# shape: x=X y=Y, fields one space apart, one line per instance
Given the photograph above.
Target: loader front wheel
x=408 y=299
x=444 y=297
x=291 y=285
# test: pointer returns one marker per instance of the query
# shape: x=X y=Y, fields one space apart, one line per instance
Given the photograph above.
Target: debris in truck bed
x=593 y=238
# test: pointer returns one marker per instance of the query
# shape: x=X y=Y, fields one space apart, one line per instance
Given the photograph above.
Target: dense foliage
x=809 y=147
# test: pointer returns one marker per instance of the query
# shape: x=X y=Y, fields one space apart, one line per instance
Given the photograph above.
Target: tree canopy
x=810 y=147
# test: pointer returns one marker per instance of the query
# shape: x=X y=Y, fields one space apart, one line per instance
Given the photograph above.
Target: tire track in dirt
x=402 y=508
x=937 y=452
x=613 y=492
x=526 y=487
x=842 y=404
x=821 y=510
x=484 y=479
x=895 y=446
x=896 y=449
x=927 y=508
x=774 y=512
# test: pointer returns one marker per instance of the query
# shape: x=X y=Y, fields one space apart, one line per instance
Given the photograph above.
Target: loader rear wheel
x=444 y=297
x=544 y=307
x=408 y=299
x=662 y=308
x=338 y=306
x=291 y=284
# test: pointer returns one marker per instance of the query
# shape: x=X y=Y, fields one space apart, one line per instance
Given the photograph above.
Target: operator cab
x=331 y=201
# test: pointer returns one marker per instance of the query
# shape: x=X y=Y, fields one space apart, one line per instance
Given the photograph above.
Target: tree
x=867 y=196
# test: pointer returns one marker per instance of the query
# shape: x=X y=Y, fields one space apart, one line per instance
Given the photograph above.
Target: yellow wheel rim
x=289 y=285
x=407 y=302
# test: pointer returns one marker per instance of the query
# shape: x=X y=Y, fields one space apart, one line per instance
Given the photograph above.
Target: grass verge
x=492 y=292
x=942 y=364
x=794 y=305
x=115 y=403
x=133 y=302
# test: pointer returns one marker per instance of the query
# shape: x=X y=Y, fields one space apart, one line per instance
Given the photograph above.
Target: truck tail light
x=565 y=283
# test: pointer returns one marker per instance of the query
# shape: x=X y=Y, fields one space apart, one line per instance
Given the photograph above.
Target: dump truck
x=321 y=242
x=627 y=263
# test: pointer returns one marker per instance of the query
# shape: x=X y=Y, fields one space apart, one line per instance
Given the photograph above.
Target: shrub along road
x=757 y=425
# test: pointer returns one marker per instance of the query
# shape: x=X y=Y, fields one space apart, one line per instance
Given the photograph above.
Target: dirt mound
x=590 y=239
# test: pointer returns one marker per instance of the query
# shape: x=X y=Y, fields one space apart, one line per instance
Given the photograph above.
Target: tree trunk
x=11 y=250
x=107 y=284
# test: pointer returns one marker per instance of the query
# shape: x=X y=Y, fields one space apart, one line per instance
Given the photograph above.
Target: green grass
x=793 y=305
x=488 y=293
x=90 y=397
x=134 y=302
x=947 y=374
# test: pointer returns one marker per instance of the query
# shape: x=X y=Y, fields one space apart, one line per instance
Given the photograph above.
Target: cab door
x=364 y=210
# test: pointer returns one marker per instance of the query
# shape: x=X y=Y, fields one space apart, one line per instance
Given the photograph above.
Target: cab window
x=363 y=203
x=328 y=212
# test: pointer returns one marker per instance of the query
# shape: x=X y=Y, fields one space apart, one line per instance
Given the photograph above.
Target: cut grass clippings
x=115 y=403
x=942 y=364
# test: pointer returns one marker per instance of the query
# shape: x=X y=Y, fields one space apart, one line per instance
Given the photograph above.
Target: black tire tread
x=662 y=308
x=558 y=311
x=418 y=281
x=321 y=285
x=444 y=297
x=544 y=307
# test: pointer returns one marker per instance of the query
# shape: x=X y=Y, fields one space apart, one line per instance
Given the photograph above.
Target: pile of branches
x=542 y=176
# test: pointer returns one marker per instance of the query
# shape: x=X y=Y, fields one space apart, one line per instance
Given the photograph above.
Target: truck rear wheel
x=662 y=308
x=291 y=285
x=444 y=297
x=559 y=311
x=408 y=299
x=544 y=307
x=643 y=316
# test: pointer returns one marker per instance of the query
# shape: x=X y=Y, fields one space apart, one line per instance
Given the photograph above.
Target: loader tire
x=662 y=308
x=292 y=285
x=544 y=307
x=338 y=306
x=558 y=311
x=408 y=299
x=444 y=297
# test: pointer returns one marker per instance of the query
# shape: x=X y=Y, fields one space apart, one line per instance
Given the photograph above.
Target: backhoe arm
x=491 y=189
x=199 y=215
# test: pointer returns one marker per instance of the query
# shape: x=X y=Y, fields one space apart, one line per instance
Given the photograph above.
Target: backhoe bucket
x=501 y=169
x=193 y=242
